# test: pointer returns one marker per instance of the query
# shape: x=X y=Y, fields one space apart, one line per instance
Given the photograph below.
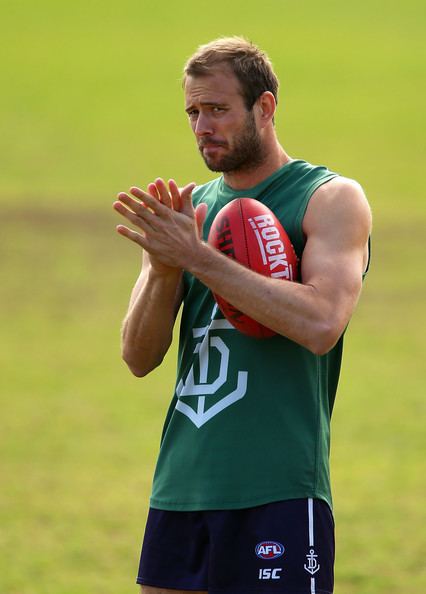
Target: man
x=241 y=497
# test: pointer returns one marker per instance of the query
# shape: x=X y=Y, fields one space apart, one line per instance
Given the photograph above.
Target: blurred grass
x=79 y=434
x=91 y=86
x=91 y=103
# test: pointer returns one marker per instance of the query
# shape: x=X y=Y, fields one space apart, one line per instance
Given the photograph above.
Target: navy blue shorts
x=285 y=547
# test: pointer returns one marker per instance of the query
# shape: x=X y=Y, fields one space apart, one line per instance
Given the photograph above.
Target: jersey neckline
x=226 y=193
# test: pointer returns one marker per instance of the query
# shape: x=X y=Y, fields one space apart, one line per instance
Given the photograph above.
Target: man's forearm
x=294 y=310
x=148 y=326
x=313 y=313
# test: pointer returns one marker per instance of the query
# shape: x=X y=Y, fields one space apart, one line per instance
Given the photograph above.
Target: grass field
x=91 y=103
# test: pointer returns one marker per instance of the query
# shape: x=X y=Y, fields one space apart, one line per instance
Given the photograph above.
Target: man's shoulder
x=339 y=189
x=341 y=200
x=303 y=177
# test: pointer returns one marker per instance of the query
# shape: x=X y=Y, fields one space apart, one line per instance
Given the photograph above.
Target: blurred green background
x=90 y=104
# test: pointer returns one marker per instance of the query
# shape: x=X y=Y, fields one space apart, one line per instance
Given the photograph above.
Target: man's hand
x=169 y=228
x=166 y=227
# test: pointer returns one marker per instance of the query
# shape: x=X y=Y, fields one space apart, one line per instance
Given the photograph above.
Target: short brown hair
x=250 y=65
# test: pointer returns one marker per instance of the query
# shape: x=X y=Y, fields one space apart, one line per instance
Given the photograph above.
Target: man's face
x=226 y=131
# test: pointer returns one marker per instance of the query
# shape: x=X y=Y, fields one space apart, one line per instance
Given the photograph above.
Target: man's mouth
x=210 y=145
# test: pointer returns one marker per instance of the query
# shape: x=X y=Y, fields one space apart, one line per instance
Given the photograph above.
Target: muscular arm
x=313 y=313
x=148 y=326
x=147 y=329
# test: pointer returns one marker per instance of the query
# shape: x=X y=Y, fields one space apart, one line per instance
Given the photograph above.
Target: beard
x=246 y=154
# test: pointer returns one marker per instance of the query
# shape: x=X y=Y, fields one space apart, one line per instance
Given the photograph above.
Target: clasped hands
x=168 y=226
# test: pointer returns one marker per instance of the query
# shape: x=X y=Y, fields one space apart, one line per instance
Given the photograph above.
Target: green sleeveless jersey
x=249 y=422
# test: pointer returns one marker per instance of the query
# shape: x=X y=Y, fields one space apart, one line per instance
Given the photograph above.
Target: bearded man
x=241 y=500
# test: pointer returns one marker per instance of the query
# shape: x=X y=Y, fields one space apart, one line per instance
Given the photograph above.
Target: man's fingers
x=186 y=196
x=175 y=194
x=159 y=198
x=138 y=193
x=122 y=195
x=138 y=207
x=130 y=201
x=163 y=192
x=200 y=217
x=187 y=190
x=153 y=203
x=143 y=218
x=157 y=195
x=132 y=235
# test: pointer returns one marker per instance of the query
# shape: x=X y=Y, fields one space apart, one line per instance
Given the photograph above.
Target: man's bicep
x=333 y=268
x=337 y=226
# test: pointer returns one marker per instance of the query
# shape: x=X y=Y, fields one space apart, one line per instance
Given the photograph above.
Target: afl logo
x=269 y=549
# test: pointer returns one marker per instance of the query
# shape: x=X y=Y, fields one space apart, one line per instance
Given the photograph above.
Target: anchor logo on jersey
x=189 y=387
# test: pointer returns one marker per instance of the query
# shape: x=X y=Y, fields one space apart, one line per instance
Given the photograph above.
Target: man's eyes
x=193 y=113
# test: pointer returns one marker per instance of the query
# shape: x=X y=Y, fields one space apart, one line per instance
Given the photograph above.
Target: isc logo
x=269 y=550
x=270 y=574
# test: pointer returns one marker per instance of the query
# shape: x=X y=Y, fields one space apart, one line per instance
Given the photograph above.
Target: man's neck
x=243 y=180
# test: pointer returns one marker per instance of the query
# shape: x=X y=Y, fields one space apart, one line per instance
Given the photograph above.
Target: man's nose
x=203 y=125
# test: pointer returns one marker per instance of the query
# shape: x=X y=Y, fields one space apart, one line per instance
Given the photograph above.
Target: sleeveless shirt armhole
x=304 y=204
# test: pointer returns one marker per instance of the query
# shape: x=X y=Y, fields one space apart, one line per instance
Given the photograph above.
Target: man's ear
x=266 y=105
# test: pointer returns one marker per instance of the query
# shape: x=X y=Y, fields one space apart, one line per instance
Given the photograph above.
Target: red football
x=249 y=232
